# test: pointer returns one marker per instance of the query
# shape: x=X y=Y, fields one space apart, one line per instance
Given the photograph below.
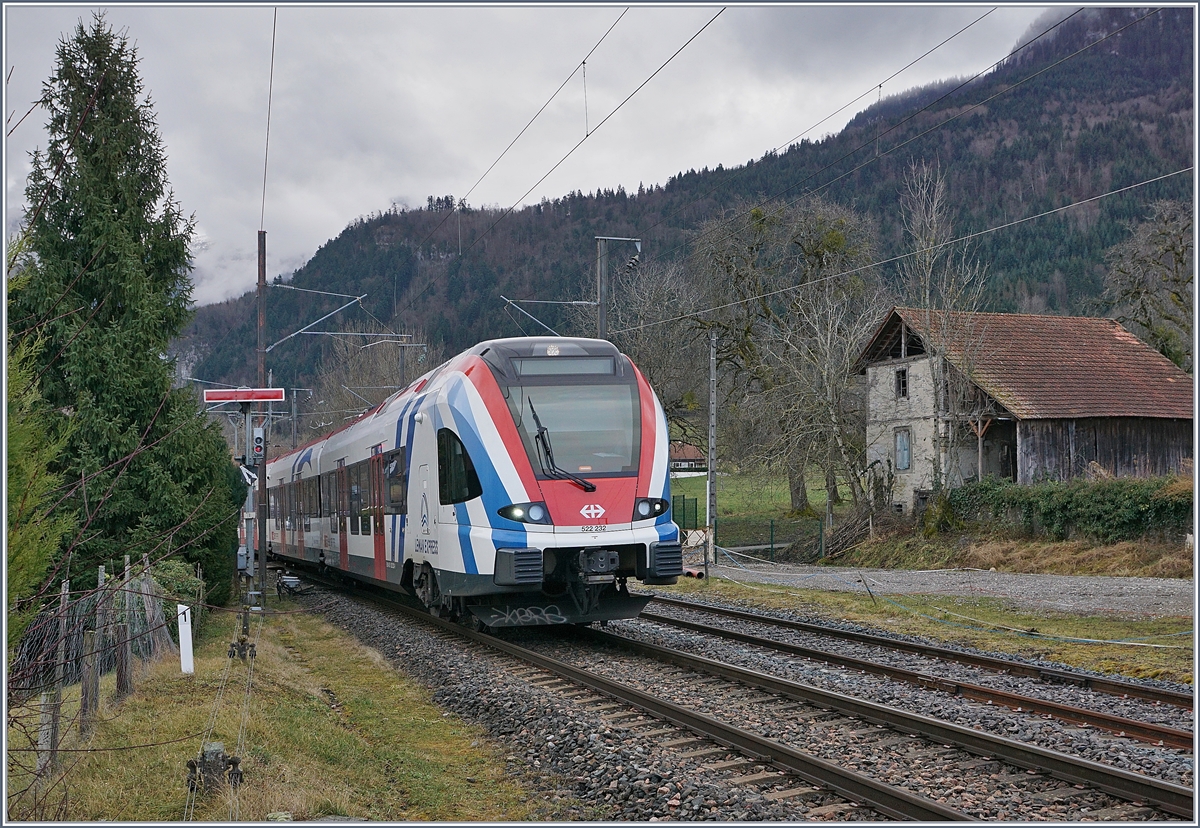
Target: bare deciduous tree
x=360 y=372
x=945 y=284
x=1149 y=286
x=796 y=296
x=650 y=322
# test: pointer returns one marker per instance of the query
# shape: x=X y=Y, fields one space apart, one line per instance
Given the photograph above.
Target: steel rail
x=1172 y=798
x=1131 y=728
x=1102 y=685
x=886 y=799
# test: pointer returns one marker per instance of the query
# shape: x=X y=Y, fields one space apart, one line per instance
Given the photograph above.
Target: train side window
x=457 y=480
x=395 y=484
x=356 y=495
x=313 y=498
x=329 y=492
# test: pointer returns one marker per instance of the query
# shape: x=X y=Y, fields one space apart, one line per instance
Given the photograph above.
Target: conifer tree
x=108 y=288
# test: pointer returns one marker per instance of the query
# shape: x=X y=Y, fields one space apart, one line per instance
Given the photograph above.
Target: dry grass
x=910 y=550
x=984 y=623
x=332 y=729
x=1146 y=559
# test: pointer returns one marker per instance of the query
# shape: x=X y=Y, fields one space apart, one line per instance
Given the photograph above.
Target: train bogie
x=523 y=482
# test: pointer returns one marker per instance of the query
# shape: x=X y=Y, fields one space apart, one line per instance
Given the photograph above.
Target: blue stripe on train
x=495 y=495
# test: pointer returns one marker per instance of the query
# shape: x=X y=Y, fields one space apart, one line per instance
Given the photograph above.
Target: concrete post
x=124 y=649
x=89 y=684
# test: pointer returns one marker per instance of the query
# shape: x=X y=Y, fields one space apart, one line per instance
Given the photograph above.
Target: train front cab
x=562 y=551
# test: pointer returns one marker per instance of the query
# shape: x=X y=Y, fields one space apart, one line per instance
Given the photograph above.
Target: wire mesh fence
x=74 y=640
x=55 y=637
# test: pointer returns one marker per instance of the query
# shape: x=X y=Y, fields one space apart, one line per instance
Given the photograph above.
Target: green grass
x=332 y=729
x=747 y=505
x=984 y=623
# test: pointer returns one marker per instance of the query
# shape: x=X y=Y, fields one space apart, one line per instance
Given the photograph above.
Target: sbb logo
x=258 y=447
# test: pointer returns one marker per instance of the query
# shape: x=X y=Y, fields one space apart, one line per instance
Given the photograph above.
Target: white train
x=523 y=482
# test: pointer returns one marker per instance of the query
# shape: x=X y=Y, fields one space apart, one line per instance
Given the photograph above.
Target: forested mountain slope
x=1051 y=126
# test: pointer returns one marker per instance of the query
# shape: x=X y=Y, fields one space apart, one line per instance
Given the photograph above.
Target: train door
x=303 y=515
x=343 y=509
x=428 y=508
x=375 y=501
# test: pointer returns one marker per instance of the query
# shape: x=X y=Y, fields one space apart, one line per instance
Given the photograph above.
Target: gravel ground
x=1078 y=594
x=580 y=766
x=584 y=766
x=1098 y=746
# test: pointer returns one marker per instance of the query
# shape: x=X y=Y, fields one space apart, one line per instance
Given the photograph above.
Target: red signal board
x=220 y=395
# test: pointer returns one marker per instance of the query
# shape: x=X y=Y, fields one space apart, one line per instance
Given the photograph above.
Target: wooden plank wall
x=1124 y=446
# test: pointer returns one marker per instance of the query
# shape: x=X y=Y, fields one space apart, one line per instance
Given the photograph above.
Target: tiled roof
x=680 y=450
x=1049 y=367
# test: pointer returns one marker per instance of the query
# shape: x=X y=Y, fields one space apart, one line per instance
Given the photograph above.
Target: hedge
x=1105 y=510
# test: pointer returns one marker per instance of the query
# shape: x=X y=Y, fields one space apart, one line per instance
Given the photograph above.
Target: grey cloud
x=381 y=104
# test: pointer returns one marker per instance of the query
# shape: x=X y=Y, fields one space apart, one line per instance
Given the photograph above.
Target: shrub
x=1105 y=510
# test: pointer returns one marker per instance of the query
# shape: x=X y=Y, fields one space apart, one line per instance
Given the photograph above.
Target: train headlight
x=645 y=508
x=526 y=513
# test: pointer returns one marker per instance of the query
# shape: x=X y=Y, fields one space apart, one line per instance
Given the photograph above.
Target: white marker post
x=184 y=617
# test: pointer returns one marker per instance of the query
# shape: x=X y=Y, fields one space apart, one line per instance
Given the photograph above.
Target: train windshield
x=592 y=427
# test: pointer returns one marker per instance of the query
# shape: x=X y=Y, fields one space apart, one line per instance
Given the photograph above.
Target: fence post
x=89 y=683
x=46 y=734
x=124 y=661
x=60 y=668
x=101 y=621
x=127 y=604
x=772 y=540
x=821 y=541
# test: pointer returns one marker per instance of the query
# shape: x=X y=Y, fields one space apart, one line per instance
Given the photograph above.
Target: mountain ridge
x=1051 y=125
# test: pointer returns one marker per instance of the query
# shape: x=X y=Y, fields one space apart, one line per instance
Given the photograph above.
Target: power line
x=893 y=259
x=845 y=106
x=894 y=127
x=872 y=160
x=581 y=64
x=982 y=72
x=893 y=76
x=571 y=151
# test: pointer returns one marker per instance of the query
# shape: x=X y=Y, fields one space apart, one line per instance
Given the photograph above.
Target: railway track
x=1174 y=799
x=1151 y=733
x=790 y=772
x=1099 y=684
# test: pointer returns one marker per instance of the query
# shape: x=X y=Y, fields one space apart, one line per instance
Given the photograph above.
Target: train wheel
x=427 y=590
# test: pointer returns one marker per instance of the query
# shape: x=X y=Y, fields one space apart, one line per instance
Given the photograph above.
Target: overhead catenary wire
x=572 y=150
x=890 y=150
x=901 y=256
x=645 y=231
x=581 y=65
x=842 y=108
x=900 y=123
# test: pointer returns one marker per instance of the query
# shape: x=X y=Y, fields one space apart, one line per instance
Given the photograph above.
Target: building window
x=903 y=449
x=902 y=384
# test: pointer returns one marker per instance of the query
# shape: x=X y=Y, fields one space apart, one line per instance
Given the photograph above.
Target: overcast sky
x=375 y=105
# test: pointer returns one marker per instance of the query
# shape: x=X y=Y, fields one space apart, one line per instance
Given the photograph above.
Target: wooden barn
x=1019 y=396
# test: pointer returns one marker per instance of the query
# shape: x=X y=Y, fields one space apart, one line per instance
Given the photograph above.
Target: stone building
x=684 y=457
x=1018 y=396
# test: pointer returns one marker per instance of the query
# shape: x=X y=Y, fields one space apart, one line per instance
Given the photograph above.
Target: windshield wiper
x=548 y=466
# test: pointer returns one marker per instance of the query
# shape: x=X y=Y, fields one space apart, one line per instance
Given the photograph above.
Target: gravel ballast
x=586 y=767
